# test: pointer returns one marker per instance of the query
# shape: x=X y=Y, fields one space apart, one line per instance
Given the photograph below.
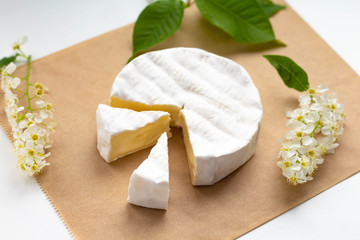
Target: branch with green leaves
x=246 y=21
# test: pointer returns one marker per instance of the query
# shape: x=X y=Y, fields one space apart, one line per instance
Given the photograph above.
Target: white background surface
x=53 y=25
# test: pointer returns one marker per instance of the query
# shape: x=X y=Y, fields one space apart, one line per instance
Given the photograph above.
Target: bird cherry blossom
x=315 y=127
x=29 y=114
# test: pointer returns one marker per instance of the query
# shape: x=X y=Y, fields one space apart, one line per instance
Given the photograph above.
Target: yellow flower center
x=35 y=137
x=323 y=149
x=312 y=91
x=16 y=46
x=300 y=118
x=287 y=164
x=22 y=167
x=33 y=168
x=333 y=106
x=293 y=180
x=48 y=107
x=31 y=152
x=39 y=92
x=304 y=164
x=299 y=134
x=38 y=85
x=311 y=153
x=29 y=123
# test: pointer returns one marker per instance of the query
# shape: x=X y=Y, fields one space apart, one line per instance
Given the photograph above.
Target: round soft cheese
x=212 y=98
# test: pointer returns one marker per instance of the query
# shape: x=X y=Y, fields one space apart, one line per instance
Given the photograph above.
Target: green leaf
x=6 y=60
x=157 y=21
x=291 y=73
x=245 y=20
x=270 y=7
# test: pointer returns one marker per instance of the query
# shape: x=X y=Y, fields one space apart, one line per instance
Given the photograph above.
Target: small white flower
x=299 y=131
x=10 y=83
x=298 y=115
x=47 y=111
x=288 y=149
x=330 y=102
x=305 y=163
x=4 y=77
x=33 y=118
x=16 y=45
x=312 y=117
x=40 y=93
x=9 y=69
x=18 y=144
x=327 y=145
x=10 y=97
x=34 y=133
x=13 y=114
x=51 y=126
x=40 y=103
x=322 y=88
x=305 y=100
x=32 y=152
x=14 y=82
x=10 y=100
x=317 y=107
x=17 y=133
x=309 y=141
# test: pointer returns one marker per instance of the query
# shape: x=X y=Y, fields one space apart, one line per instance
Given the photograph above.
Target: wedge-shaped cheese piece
x=149 y=183
x=123 y=131
x=212 y=98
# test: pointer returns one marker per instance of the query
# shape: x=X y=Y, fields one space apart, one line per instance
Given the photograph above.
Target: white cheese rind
x=216 y=161
x=216 y=96
x=113 y=121
x=149 y=183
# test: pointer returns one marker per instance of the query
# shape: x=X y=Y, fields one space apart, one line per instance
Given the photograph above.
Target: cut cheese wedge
x=149 y=183
x=212 y=98
x=123 y=131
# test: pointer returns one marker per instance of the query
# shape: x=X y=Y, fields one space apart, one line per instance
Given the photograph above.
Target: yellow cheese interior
x=189 y=149
x=173 y=110
x=177 y=120
x=128 y=142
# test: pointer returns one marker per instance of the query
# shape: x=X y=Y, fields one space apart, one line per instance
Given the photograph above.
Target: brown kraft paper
x=91 y=194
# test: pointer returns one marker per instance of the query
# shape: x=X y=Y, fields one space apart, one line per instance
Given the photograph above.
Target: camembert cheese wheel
x=212 y=98
x=123 y=131
x=149 y=183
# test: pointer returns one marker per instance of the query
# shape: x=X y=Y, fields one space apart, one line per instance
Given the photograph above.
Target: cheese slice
x=149 y=183
x=212 y=98
x=123 y=131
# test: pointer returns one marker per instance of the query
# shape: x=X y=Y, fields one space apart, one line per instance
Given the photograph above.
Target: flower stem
x=19 y=90
x=27 y=83
x=13 y=76
x=316 y=126
x=22 y=96
x=23 y=54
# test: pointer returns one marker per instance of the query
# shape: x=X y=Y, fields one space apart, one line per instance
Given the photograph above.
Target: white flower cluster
x=31 y=126
x=315 y=127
